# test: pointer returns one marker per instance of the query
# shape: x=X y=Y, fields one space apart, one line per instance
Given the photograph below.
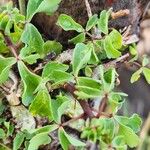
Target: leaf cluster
x=75 y=82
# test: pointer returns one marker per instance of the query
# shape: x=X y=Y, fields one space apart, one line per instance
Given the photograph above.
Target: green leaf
x=133 y=50
x=125 y=130
x=5 y=66
x=3 y=147
x=10 y=128
x=146 y=72
x=108 y=78
x=145 y=61
x=31 y=59
x=110 y=49
x=84 y=92
x=78 y=39
x=3 y=47
x=91 y=22
x=81 y=56
x=3 y=22
x=63 y=140
x=51 y=67
x=136 y=76
x=18 y=140
x=2 y=108
x=62 y=109
x=115 y=101
x=33 y=39
x=88 y=71
x=119 y=143
x=2 y=134
x=67 y=140
x=8 y=27
x=46 y=6
x=89 y=82
x=116 y=39
x=38 y=140
x=45 y=129
x=60 y=77
x=41 y=105
x=55 y=106
x=94 y=59
x=103 y=21
x=133 y=122
x=67 y=23
x=52 y=46
x=130 y=137
x=30 y=82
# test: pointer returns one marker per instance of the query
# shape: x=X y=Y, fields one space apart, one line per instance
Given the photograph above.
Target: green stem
x=22 y=7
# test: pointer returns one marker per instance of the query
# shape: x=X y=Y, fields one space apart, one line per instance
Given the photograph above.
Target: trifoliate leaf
x=41 y=105
x=78 y=39
x=5 y=66
x=30 y=82
x=136 y=76
x=67 y=140
x=134 y=122
x=91 y=22
x=127 y=129
x=81 y=56
x=67 y=23
x=103 y=21
x=146 y=72
x=38 y=140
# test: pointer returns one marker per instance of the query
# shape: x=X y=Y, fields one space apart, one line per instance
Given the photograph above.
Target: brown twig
x=10 y=44
x=84 y=104
x=115 y=62
x=110 y=64
x=103 y=104
x=72 y=120
x=88 y=8
x=120 y=13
